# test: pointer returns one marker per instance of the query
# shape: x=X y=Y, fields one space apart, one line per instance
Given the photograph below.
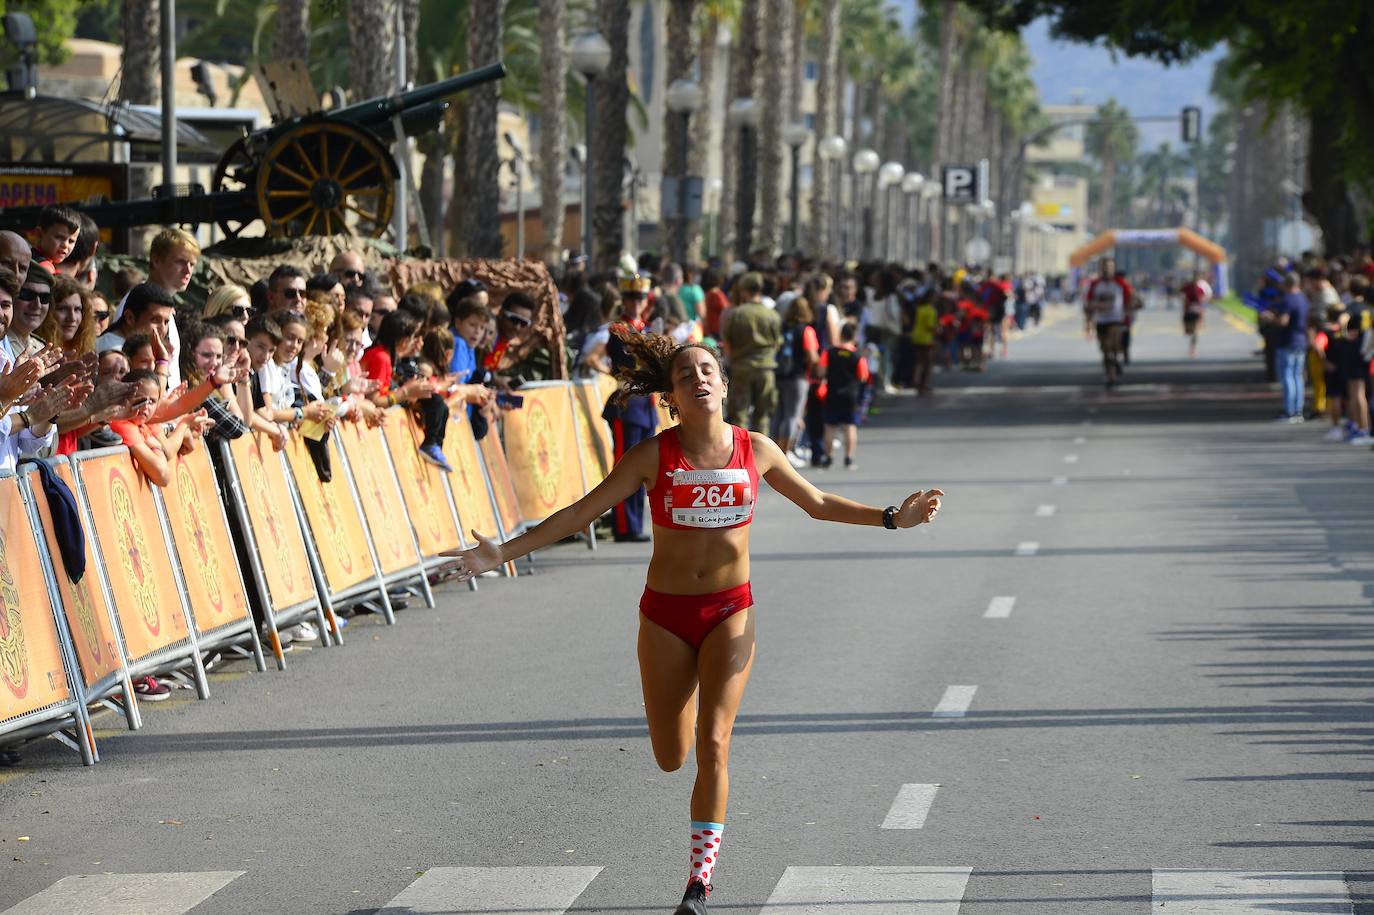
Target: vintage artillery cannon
x=320 y=174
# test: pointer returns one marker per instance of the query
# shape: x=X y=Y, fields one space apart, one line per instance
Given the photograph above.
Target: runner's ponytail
x=650 y=371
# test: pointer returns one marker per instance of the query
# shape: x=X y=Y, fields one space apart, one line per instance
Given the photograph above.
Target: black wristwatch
x=890 y=517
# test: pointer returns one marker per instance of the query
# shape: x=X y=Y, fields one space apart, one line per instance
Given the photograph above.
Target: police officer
x=637 y=420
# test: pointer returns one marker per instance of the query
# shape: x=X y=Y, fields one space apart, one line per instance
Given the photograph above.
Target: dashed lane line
x=911 y=807
x=955 y=702
x=999 y=608
x=1027 y=548
x=1045 y=511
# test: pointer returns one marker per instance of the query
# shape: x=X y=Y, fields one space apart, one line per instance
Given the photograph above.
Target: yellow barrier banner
x=494 y=456
x=383 y=504
x=83 y=602
x=593 y=434
x=467 y=481
x=208 y=561
x=542 y=451
x=125 y=518
x=422 y=486
x=334 y=520
x=281 y=547
x=31 y=671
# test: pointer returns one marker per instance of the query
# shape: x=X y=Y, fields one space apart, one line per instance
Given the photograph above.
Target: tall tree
x=485 y=19
x=827 y=29
x=681 y=40
x=1111 y=140
x=777 y=53
x=141 y=29
x=372 y=47
x=292 y=38
x=553 y=128
x=612 y=91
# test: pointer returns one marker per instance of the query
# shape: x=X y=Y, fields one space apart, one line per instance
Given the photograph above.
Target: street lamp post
x=744 y=114
x=794 y=135
x=912 y=185
x=832 y=149
x=866 y=163
x=889 y=178
x=590 y=56
x=683 y=97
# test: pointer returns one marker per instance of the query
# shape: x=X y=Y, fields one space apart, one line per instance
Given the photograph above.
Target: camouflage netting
x=245 y=260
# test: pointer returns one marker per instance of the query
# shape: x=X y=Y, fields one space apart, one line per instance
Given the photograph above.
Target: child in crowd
x=431 y=411
x=1329 y=342
x=138 y=351
x=57 y=230
x=924 y=328
x=846 y=375
x=390 y=362
x=113 y=366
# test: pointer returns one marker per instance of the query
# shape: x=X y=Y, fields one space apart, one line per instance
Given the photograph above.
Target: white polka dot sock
x=705 y=850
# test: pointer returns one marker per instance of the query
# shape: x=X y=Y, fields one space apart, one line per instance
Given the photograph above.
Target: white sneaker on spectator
x=1334 y=434
x=1364 y=438
x=1297 y=420
x=795 y=461
x=303 y=632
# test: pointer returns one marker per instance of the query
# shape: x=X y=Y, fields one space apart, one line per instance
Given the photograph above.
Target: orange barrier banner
x=593 y=434
x=281 y=546
x=494 y=457
x=383 y=504
x=542 y=451
x=422 y=486
x=83 y=602
x=469 y=485
x=334 y=521
x=31 y=671
x=125 y=519
x=208 y=561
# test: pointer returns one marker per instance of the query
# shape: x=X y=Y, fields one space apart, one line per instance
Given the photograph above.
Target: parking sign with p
x=960 y=183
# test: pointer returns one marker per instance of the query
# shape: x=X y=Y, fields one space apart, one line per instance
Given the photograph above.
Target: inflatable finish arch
x=1189 y=239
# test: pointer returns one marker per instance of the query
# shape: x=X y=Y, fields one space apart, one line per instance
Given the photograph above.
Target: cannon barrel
x=376 y=110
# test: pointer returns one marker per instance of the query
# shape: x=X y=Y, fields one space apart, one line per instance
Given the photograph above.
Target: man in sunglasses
x=508 y=358
x=285 y=289
x=348 y=266
x=30 y=308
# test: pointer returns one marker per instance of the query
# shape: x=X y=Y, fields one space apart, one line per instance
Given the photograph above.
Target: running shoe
x=303 y=632
x=150 y=690
x=694 y=900
x=436 y=457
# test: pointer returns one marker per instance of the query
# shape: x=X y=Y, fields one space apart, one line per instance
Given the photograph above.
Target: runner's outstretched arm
x=635 y=469
x=919 y=508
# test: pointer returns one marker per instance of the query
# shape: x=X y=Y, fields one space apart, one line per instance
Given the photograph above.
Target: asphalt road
x=1128 y=669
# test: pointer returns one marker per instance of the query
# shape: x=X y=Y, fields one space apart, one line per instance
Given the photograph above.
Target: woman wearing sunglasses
x=228 y=299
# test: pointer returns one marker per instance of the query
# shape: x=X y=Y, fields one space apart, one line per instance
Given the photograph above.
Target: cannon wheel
x=326 y=178
x=233 y=173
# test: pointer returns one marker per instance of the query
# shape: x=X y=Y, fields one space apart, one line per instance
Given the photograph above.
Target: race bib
x=711 y=498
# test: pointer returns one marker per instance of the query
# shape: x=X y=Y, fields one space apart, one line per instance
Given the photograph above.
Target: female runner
x=696 y=626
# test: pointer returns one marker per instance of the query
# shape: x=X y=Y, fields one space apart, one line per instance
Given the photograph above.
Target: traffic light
x=1191 y=123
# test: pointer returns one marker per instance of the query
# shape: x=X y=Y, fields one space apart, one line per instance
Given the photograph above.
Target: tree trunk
x=705 y=136
x=729 y=148
x=292 y=38
x=553 y=128
x=140 y=24
x=1327 y=196
x=772 y=109
x=483 y=157
x=410 y=22
x=372 y=47
x=680 y=37
x=827 y=59
x=612 y=93
x=744 y=60
x=946 y=115
x=432 y=194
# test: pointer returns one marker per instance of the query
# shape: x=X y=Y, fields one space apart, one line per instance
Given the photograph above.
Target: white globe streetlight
x=795 y=135
x=590 y=54
x=866 y=162
x=832 y=148
x=683 y=96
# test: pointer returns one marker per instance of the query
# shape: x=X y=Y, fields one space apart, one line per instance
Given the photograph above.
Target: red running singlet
x=684 y=498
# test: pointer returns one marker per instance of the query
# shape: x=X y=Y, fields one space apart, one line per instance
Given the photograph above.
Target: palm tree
x=553 y=133
x=139 y=23
x=777 y=46
x=483 y=158
x=743 y=197
x=292 y=38
x=827 y=30
x=608 y=166
x=372 y=36
x=1111 y=140
x=681 y=36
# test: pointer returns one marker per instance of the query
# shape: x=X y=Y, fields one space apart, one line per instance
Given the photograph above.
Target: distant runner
x=1104 y=308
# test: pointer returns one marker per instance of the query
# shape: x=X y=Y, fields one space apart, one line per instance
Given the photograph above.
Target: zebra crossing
x=801 y=890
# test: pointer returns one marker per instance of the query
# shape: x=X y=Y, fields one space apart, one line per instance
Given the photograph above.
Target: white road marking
x=508 y=890
x=1045 y=511
x=911 y=806
x=1249 y=892
x=955 y=702
x=124 y=894
x=868 y=891
x=1070 y=459
x=1027 y=548
x=999 y=608
x=1060 y=481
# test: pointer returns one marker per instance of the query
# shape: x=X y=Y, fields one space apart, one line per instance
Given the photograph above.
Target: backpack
x=791 y=357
